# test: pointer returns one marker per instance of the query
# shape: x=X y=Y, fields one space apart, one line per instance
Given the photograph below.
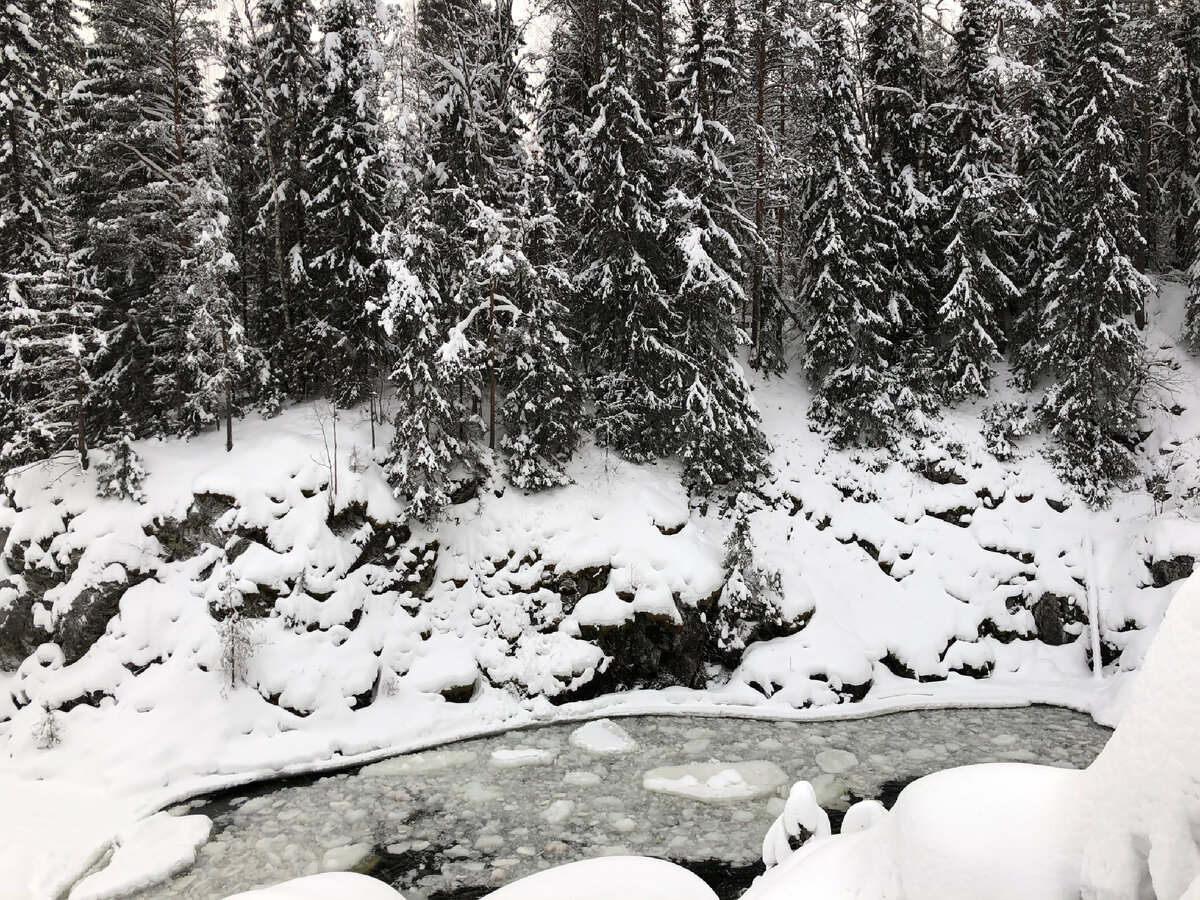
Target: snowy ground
x=903 y=575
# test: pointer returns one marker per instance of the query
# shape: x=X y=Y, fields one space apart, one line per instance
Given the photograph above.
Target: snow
x=418 y=763
x=716 y=782
x=1123 y=828
x=331 y=886
x=342 y=669
x=603 y=737
x=343 y=859
x=836 y=762
x=624 y=877
x=146 y=853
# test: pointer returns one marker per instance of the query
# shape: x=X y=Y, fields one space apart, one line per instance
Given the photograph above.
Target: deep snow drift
x=1123 y=829
x=902 y=581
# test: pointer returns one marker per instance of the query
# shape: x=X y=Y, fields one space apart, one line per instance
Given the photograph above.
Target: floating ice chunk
x=342 y=859
x=831 y=793
x=558 y=812
x=603 y=737
x=418 y=763
x=477 y=794
x=521 y=756
x=835 y=762
x=715 y=782
x=148 y=852
x=581 y=779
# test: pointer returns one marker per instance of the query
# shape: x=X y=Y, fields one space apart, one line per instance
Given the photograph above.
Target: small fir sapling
x=750 y=591
x=121 y=474
x=234 y=631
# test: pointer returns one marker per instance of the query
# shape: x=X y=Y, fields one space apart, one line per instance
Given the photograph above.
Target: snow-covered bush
x=750 y=592
x=1003 y=425
x=121 y=473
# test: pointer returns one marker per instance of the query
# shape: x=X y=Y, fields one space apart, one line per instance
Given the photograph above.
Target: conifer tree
x=1181 y=159
x=975 y=280
x=347 y=210
x=238 y=130
x=1040 y=152
x=1094 y=286
x=141 y=114
x=898 y=135
x=217 y=358
x=285 y=81
x=543 y=402
x=841 y=279
x=717 y=434
x=624 y=260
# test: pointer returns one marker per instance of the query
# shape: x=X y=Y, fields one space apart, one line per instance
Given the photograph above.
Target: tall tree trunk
x=760 y=82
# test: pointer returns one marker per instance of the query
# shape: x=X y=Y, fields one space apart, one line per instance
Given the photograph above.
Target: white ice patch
x=418 y=763
x=343 y=859
x=559 y=812
x=603 y=737
x=581 y=779
x=836 y=762
x=716 y=782
x=521 y=756
x=147 y=853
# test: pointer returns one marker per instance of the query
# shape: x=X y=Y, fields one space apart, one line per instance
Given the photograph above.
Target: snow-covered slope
x=904 y=577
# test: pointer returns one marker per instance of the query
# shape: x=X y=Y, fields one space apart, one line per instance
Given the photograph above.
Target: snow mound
x=1124 y=828
x=603 y=737
x=717 y=782
x=329 y=886
x=609 y=878
x=147 y=853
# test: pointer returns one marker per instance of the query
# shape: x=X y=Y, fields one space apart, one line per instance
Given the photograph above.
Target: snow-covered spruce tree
x=1180 y=146
x=217 y=358
x=898 y=133
x=430 y=439
x=1094 y=286
x=121 y=474
x=141 y=113
x=285 y=81
x=624 y=282
x=749 y=597
x=1039 y=157
x=235 y=634
x=976 y=203
x=717 y=435
x=26 y=184
x=347 y=212
x=543 y=403
x=842 y=282
x=238 y=131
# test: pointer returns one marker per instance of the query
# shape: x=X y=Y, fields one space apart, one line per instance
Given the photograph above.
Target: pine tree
x=26 y=183
x=898 y=135
x=141 y=114
x=718 y=434
x=347 y=211
x=624 y=261
x=1040 y=153
x=841 y=279
x=285 y=77
x=238 y=130
x=543 y=404
x=975 y=280
x=216 y=358
x=430 y=439
x=1094 y=285
x=1181 y=143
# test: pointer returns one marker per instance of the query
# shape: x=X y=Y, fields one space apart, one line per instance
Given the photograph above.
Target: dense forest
x=498 y=243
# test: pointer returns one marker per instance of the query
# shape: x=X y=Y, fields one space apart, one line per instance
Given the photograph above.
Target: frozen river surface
x=477 y=814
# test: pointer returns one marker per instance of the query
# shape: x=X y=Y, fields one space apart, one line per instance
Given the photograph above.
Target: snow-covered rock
x=328 y=886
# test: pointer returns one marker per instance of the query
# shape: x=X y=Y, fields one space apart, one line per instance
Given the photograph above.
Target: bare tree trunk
x=492 y=366
x=760 y=79
x=228 y=390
